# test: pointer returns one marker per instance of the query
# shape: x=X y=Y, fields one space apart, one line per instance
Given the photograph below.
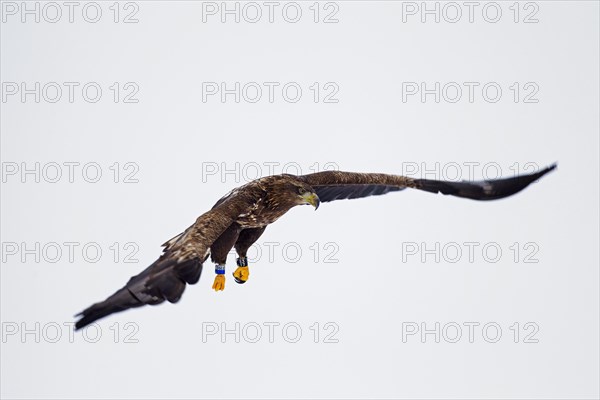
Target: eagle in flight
x=240 y=218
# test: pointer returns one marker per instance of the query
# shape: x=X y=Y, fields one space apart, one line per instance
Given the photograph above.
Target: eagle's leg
x=246 y=239
x=219 y=251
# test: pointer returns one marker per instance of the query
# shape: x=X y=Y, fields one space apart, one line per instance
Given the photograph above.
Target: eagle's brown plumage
x=239 y=218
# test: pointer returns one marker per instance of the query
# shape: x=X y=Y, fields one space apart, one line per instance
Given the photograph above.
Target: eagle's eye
x=301 y=190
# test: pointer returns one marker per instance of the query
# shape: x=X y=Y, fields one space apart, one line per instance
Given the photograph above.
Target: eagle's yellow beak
x=312 y=199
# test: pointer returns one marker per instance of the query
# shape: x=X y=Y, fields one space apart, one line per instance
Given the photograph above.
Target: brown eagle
x=240 y=218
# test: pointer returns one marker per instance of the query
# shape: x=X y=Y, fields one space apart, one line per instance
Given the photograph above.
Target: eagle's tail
x=164 y=280
x=482 y=190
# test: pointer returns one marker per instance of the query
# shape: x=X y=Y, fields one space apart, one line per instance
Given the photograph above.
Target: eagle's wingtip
x=549 y=168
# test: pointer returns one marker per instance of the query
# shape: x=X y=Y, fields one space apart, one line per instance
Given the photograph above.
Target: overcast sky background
x=360 y=266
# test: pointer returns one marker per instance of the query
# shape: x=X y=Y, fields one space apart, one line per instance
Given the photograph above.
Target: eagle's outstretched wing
x=180 y=264
x=338 y=185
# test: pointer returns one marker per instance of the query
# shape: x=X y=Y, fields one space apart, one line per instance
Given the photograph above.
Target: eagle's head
x=296 y=193
x=306 y=195
x=286 y=191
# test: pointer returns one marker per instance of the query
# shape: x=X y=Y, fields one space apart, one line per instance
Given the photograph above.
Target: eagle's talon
x=219 y=283
x=241 y=274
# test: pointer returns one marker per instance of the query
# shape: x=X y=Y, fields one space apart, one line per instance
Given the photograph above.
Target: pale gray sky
x=508 y=288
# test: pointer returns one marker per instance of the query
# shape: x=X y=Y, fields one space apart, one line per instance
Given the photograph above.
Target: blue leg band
x=219 y=269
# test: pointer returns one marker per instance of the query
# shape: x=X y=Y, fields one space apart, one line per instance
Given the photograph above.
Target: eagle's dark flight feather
x=482 y=190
